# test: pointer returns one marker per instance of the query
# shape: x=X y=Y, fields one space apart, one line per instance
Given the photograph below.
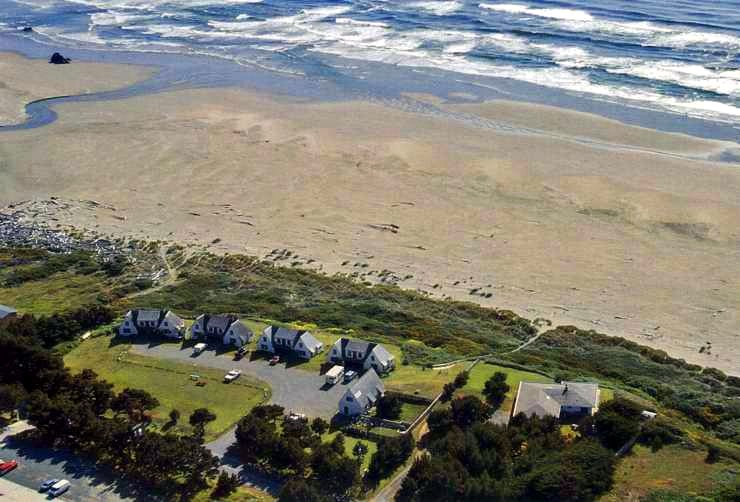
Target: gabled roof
x=142 y=315
x=547 y=399
x=367 y=348
x=367 y=389
x=5 y=311
x=221 y=321
x=240 y=329
x=357 y=346
x=309 y=341
x=381 y=354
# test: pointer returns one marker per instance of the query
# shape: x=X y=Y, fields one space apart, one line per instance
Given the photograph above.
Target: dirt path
x=169 y=280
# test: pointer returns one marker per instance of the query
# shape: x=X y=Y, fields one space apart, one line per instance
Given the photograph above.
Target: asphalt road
x=37 y=464
x=294 y=389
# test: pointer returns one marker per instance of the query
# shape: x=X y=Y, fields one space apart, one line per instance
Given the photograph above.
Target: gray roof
x=5 y=311
x=147 y=315
x=239 y=328
x=309 y=341
x=547 y=399
x=222 y=321
x=357 y=346
x=381 y=354
x=367 y=348
x=367 y=389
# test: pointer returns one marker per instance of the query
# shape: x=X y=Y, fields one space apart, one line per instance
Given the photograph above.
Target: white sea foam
x=242 y=17
x=564 y=14
x=441 y=8
x=647 y=33
x=116 y=18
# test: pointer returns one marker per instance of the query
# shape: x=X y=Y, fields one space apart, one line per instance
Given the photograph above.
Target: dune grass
x=60 y=292
x=674 y=468
x=171 y=384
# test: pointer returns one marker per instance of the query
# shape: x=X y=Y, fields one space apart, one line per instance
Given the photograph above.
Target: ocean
x=675 y=57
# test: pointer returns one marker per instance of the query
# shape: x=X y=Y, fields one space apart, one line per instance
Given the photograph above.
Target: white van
x=334 y=375
x=59 y=487
x=199 y=347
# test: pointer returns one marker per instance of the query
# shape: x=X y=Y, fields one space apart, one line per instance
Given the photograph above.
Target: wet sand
x=24 y=80
x=628 y=242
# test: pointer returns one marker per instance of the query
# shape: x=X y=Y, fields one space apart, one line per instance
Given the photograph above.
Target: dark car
x=274 y=360
x=47 y=484
x=241 y=353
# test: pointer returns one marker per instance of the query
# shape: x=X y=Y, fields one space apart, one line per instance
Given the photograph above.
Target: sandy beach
x=622 y=233
x=24 y=80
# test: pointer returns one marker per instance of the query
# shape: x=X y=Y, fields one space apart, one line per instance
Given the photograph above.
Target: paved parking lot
x=294 y=389
x=37 y=464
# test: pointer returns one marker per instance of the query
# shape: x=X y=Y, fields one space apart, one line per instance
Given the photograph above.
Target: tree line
x=54 y=329
x=81 y=412
x=318 y=470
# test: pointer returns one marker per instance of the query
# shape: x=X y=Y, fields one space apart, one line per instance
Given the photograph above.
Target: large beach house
x=226 y=328
x=299 y=343
x=361 y=354
x=149 y=321
x=362 y=395
x=557 y=399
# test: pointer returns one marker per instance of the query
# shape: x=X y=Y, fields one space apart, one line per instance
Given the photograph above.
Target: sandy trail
x=625 y=242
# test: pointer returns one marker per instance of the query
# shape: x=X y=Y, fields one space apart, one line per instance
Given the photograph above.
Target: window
x=125 y=323
x=164 y=323
x=350 y=398
x=372 y=358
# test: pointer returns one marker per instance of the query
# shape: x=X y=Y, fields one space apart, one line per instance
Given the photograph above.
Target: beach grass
x=171 y=384
x=674 y=468
x=60 y=292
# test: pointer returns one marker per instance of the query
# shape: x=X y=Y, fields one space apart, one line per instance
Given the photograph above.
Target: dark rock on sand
x=57 y=58
x=26 y=29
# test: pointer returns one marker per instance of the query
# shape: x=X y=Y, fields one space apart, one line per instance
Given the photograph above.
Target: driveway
x=37 y=464
x=294 y=389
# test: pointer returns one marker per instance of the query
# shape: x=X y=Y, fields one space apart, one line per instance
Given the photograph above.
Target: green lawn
x=483 y=371
x=349 y=444
x=674 y=468
x=170 y=383
x=410 y=411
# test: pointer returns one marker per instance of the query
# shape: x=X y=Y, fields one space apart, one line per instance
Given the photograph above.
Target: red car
x=274 y=360
x=6 y=467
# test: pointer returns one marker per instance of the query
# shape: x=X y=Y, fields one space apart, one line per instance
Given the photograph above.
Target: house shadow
x=257 y=355
x=291 y=360
x=75 y=468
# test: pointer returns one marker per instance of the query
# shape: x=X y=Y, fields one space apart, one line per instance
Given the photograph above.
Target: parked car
x=46 y=485
x=6 y=467
x=198 y=348
x=293 y=417
x=241 y=353
x=274 y=360
x=232 y=375
x=58 y=488
x=334 y=375
x=349 y=376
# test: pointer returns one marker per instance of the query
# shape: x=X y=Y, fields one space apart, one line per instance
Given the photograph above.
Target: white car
x=294 y=417
x=232 y=375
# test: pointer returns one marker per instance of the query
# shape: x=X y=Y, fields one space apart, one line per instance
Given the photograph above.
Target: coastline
x=625 y=242
x=24 y=81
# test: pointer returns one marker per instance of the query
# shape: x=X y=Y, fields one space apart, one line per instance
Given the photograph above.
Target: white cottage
x=226 y=328
x=299 y=343
x=362 y=395
x=149 y=321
